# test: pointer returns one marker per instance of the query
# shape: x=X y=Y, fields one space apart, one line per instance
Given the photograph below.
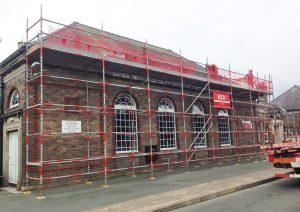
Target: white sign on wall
x=70 y=126
x=247 y=124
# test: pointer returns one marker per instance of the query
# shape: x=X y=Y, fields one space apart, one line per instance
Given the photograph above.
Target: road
x=280 y=195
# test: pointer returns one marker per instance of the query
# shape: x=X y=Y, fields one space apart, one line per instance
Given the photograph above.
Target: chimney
x=20 y=44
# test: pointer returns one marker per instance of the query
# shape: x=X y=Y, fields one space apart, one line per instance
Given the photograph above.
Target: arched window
x=126 y=124
x=224 y=127
x=198 y=125
x=166 y=123
x=14 y=99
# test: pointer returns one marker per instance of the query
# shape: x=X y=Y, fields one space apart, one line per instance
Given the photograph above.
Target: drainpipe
x=1 y=128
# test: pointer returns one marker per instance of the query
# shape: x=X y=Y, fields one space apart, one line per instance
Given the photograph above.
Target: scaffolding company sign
x=70 y=126
x=221 y=99
x=247 y=124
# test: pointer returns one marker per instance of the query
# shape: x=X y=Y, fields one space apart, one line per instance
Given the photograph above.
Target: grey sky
x=260 y=34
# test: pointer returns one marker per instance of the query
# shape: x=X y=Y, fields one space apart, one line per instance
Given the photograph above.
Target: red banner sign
x=221 y=99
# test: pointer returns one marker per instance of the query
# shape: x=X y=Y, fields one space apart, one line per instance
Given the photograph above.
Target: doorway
x=13 y=152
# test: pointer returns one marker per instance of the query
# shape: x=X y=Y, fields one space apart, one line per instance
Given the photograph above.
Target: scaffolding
x=56 y=156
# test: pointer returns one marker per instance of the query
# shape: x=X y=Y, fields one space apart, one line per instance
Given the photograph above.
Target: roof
x=12 y=56
x=289 y=100
x=88 y=41
x=85 y=41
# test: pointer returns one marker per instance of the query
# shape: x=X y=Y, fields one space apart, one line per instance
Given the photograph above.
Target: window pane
x=199 y=131
x=198 y=126
x=125 y=124
x=166 y=123
x=224 y=130
x=14 y=99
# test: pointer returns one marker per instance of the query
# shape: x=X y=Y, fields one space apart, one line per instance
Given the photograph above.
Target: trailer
x=285 y=156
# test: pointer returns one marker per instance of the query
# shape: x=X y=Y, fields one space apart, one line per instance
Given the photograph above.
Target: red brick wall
x=69 y=147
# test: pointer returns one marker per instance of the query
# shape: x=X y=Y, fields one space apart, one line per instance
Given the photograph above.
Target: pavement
x=170 y=190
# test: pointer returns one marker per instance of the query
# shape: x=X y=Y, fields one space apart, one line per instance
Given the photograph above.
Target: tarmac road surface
x=281 y=195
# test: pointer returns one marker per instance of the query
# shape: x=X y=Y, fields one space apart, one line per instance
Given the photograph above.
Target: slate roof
x=289 y=100
x=85 y=40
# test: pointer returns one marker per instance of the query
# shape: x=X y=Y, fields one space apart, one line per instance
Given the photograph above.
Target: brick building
x=287 y=113
x=80 y=103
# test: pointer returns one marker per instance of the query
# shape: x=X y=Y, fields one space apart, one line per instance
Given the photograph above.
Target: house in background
x=287 y=116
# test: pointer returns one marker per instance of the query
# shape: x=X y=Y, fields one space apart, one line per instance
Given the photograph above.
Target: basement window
x=14 y=99
x=224 y=128
x=126 y=124
x=198 y=125
x=167 y=128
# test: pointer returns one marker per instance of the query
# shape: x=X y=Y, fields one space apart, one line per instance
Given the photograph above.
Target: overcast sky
x=260 y=34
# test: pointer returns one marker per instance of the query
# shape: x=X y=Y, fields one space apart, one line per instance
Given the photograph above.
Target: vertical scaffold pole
x=183 y=114
x=87 y=115
x=265 y=116
x=41 y=103
x=250 y=83
x=251 y=108
x=233 y=114
x=270 y=110
x=26 y=104
x=258 y=122
x=132 y=113
x=104 y=110
x=149 y=113
x=269 y=114
x=258 y=117
x=210 y=113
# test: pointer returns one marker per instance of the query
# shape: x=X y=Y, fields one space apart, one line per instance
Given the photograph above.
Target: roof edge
x=285 y=92
x=12 y=56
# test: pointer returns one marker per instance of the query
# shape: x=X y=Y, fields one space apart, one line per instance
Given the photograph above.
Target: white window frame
x=198 y=122
x=166 y=109
x=11 y=105
x=266 y=137
x=224 y=119
x=291 y=131
x=125 y=104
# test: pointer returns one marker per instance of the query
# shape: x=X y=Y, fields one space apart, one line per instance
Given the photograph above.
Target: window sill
x=126 y=152
x=166 y=149
x=225 y=145
x=8 y=113
x=200 y=147
x=13 y=106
